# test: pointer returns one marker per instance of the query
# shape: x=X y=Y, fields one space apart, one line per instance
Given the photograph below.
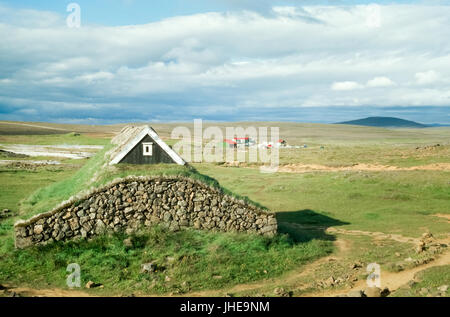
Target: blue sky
x=314 y=61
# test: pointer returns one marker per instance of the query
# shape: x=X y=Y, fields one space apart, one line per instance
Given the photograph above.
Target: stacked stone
x=129 y=204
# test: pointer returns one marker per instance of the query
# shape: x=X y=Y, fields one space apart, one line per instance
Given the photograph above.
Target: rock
x=5 y=213
x=356 y=293
x=83 y=232
x=443 y=288
x=129 y=231
x=372 y=292
x=420 y=248
x=149 y=267
x=167 y=278
x=99 y=227
x=330 y=281
x=399 y=266
x=128 y=242
x=74 y=225
x=397 y=254
x=128 y=210
x=279 y=291
x=217 y=277
x=424 y=291
x=91 y=284
x=356 y=265
x=38 y=229
x=385 y=292
x=339 y=280
x=411 y=283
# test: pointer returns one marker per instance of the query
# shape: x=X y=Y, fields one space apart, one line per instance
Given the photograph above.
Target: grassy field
x=329 y=215
x=188 y=260
x=405 y=201
x=204 y=260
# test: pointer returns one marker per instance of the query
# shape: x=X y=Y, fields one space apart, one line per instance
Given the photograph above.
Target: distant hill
x=386 y=122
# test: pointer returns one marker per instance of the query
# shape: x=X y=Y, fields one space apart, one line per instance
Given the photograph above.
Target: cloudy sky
x=227 y=60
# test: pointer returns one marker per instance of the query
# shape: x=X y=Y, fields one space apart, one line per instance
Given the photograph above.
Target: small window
x=147 y=149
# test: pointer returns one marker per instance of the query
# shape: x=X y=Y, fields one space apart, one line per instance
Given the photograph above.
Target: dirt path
x=375 y=235
x=52 y=292
x=443 y=216
x=391 y=280
x=305 y=168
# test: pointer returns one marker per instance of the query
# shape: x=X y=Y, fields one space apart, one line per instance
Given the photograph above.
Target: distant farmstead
x=239 y=142
x=142 y=145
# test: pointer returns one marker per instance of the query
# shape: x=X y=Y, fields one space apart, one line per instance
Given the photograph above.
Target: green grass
x=203 y=260
x=201 y=257
x=18 y=184
x=405 y=155
x=394 y=202
x=50 y=196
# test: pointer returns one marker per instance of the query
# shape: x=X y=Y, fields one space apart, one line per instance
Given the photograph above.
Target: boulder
x=411 y=283
x=443 y=288
x=91 y=284
x=128 y=242
x=38 y=229
x=149 y=267
x=424 y=291
x=356 y=293
x=372 y=291
x=279 y=291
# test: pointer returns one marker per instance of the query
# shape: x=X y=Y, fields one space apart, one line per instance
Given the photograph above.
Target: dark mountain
x=438 y=125
x=386 y=122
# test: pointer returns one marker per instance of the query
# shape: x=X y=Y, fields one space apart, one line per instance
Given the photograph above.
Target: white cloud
x=289 y=58
x=427 y=78
x=29 y=18
x=380 y=82
x=346 y=85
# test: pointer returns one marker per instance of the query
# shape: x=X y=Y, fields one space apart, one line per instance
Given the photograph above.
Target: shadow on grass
x=305 y=225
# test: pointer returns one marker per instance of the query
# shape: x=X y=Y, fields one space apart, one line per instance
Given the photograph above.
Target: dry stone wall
x=131 y=203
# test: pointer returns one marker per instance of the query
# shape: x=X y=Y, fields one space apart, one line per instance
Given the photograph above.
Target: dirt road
x=304 y=168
